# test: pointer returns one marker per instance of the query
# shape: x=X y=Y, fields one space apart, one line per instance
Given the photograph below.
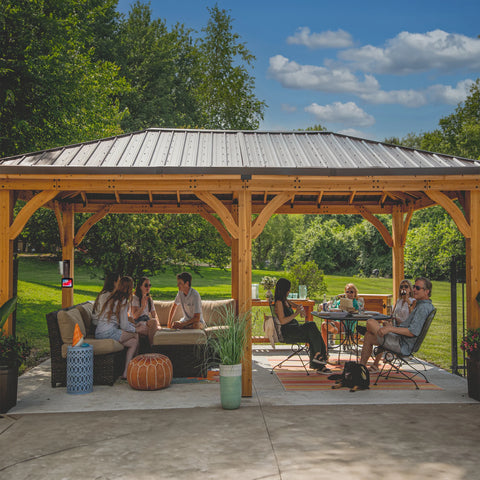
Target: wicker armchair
x=106 y=368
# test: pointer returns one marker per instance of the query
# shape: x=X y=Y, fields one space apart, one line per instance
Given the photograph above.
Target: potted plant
x=228 y=347
x=268 y=283
x=471 y=346
x=12 y=353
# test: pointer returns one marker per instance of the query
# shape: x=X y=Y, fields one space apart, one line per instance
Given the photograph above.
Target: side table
x=80 y=369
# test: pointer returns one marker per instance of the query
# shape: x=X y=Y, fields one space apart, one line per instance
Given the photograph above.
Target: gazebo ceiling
x=160 y=171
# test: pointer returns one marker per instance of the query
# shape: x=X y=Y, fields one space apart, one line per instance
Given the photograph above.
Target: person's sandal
x=324 y=370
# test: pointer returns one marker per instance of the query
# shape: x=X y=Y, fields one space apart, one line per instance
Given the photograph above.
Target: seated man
x=399 y=339
x=191 y=304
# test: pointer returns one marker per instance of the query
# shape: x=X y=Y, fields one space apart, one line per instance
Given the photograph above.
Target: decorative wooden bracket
x=218 y=225
x=451 y=208
x=367 y=215
x=83 y=230
x=267 y=212
x=28 y=210
x=221 y=210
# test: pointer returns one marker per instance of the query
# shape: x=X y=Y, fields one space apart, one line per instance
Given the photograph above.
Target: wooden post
x=244 y=281
x=398 y=265
x=234 y=262
x=68 y=251
x=472 y=261
x=6 y=252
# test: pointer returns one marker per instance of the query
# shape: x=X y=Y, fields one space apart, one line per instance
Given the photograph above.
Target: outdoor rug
x=292 y=376
x=212 y=377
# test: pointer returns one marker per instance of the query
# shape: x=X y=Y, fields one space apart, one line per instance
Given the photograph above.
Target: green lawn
x=39 y=293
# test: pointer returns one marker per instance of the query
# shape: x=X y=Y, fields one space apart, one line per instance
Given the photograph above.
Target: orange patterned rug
x=293 y=377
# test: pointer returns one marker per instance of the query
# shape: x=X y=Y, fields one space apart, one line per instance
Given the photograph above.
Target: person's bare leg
x=153 y=326
x=369 y=340
x=130 y=342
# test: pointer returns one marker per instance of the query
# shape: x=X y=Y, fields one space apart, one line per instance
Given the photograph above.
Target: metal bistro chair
x=297 y=348
x=396 y=360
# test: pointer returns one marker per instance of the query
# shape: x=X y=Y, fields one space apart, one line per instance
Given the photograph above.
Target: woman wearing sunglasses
x=405 y=303
x=351 y=293
x=143 y=309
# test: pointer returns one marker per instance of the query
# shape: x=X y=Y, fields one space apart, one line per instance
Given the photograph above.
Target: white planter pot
x=231 y=386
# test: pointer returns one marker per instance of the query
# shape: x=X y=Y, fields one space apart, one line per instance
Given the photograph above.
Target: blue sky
x=373 y=69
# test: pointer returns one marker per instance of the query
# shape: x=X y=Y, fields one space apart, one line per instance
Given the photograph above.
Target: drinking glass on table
x=361 y=304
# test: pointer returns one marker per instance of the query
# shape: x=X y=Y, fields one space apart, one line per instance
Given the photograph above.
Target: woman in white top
x=113 y=320
x=143 y=309
x=405 y=303
x=109 y=286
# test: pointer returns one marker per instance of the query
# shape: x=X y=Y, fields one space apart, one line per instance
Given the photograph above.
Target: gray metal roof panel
x=212 y=151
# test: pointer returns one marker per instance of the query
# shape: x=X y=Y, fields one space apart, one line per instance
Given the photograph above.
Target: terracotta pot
x=8 y=387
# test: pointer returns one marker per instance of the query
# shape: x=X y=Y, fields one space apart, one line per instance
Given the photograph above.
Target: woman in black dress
x=308 y=332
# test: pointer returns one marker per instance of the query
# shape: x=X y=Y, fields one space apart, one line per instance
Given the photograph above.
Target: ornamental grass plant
x=230 y=339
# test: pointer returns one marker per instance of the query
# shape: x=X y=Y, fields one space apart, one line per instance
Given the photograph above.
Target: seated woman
x=110 y=284
x=351 y=293
x=286 y=311
x=113 y=320
x=405 y=303
x=143 y=310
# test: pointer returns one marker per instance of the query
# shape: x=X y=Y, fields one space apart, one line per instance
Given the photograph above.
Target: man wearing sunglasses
x=399 y=339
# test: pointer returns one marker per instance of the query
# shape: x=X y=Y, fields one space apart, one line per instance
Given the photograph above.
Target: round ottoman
x=150 y=371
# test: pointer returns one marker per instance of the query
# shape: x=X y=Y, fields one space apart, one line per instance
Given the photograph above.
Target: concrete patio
x=182 y=432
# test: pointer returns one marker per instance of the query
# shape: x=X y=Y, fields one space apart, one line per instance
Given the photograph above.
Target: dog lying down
x=355 y=376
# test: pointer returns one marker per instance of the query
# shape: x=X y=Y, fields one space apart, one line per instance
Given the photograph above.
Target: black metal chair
x=396 y=360
x=297 y=348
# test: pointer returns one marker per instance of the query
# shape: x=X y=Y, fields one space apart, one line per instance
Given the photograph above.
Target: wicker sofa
x=185 y=348
x=109 y=355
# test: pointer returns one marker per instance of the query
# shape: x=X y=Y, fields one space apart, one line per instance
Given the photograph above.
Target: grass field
x=39 y=292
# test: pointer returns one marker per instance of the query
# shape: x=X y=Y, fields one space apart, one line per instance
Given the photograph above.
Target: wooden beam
x=452 y=209
x=245 y=282
x=367 y=215
x=319 y=199
x=58 y=215
x=6 y=253
x=68 y=251
x=398 y=266
x=218 y=225
x=28 y=210
x=267 y=213
x=88 y=224
x=220 y=209
x=472 y=249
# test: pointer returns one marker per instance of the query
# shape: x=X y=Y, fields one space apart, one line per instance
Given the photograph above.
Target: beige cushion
x=66 y=324
x=101 y=346
x=163 y=309
x=179 y=337
x=86 y=312
x=212 y=310
x=212 y=331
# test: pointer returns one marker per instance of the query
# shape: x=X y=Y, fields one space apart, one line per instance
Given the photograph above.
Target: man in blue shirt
x=399 y=339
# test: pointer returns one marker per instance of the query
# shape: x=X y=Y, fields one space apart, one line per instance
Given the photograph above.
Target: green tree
x=227 y=90
x=162 y=67
x=308 y=274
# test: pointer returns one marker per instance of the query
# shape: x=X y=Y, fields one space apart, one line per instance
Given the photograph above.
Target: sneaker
x=324 y=370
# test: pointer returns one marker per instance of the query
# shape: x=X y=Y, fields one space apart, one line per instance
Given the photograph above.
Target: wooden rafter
x=351 y=197
x=59 y=217
x=117 y=196
x=319 y=198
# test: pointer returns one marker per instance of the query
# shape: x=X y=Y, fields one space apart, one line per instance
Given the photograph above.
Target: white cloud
x=310 y=77
x=347 y=113
x=327 y=39
x=449 y=95
x=288 y=108
x=417 y=52
x=407 y=98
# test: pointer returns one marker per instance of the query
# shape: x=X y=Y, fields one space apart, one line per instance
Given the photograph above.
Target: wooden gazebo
x=228 y=176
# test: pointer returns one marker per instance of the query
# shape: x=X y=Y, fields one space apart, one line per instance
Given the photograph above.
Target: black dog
x=355 y=376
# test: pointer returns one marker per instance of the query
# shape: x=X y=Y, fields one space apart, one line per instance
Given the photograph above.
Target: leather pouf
x=151 y=371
